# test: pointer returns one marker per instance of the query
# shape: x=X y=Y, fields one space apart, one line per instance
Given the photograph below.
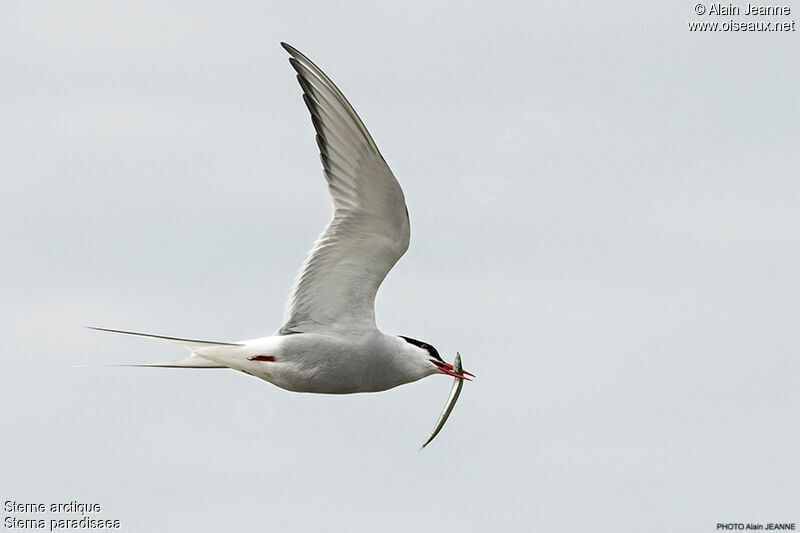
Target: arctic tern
x=329 y=342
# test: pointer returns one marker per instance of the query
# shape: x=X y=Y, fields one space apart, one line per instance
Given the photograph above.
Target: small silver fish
x=455 y=390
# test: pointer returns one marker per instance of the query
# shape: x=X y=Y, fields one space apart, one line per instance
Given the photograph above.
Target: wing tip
x=294 y=52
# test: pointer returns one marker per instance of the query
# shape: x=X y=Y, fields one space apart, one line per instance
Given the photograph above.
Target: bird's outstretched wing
x=336 y=286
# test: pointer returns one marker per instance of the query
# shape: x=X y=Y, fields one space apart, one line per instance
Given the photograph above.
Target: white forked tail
x=193 y=361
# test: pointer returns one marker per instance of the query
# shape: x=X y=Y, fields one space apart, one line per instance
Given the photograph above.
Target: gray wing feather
x=369 y=231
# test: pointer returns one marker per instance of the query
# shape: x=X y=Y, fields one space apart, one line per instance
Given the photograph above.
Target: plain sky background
x=605 y=223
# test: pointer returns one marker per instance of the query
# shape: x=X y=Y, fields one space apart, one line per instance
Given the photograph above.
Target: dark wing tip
x=296 y=66
x=294 y=52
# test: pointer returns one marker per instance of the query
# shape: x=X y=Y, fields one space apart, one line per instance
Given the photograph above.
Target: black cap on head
x=424 y=345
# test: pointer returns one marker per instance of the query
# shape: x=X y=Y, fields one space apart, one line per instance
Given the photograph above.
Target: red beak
x=447 y=368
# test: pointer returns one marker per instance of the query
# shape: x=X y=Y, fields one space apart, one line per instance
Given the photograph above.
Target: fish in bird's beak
x=447 y=368
x=457 y=372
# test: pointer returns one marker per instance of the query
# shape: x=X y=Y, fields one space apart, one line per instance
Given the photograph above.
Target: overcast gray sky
x=605 y=223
